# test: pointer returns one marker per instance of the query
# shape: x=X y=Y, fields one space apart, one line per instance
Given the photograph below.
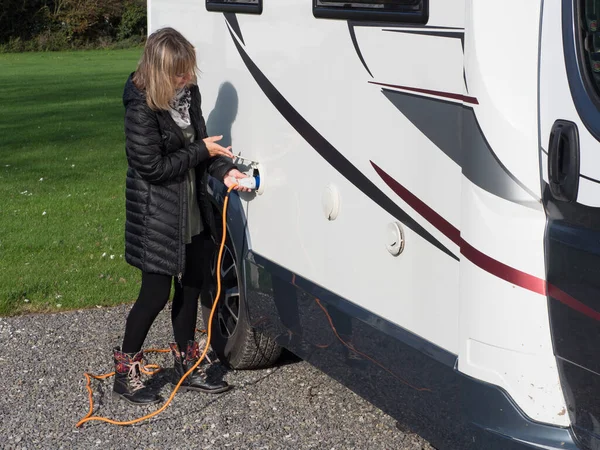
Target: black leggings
x=154 y=295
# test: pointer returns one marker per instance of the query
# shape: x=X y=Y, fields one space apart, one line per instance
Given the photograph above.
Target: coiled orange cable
x=88 y=417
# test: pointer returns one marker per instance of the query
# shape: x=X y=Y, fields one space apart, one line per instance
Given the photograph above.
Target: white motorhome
x=427 y=228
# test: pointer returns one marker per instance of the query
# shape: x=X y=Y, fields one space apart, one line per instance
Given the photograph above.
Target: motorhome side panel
x=403 y=125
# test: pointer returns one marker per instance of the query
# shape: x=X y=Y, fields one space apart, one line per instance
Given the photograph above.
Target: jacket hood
x=132 y=93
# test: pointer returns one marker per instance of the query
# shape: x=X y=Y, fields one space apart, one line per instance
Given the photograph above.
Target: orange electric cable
x=88 y=417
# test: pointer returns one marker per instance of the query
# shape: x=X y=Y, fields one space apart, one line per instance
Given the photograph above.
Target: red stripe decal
x=481 y=260
x=478 y=258
x=463 y=98
x=449 y=230
x=501 y=270
x=571 y=302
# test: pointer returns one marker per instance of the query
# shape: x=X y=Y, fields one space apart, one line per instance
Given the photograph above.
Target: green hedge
x=55 y=25
x=58 y=41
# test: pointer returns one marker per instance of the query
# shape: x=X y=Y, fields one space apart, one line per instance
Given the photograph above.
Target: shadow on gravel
x=204 y=400
x=287 y=358
x=215 y=370
x=161 y=379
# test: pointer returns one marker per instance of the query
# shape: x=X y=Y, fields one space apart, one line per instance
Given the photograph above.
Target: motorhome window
x=590 y=37
x=373 y=10
x=236 y=6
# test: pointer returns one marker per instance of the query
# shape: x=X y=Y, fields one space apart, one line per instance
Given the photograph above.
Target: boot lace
x=134 y=376
x=201 y=345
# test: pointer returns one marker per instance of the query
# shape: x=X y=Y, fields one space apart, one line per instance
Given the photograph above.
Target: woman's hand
x=231 y=179
x=215 y=149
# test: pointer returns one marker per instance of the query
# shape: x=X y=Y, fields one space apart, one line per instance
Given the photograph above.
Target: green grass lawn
x=62 y=181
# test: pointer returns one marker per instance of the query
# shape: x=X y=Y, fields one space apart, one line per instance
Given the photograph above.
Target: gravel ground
x=290 y=406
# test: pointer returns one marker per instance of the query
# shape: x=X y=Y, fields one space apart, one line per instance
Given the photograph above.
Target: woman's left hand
x=231 y=179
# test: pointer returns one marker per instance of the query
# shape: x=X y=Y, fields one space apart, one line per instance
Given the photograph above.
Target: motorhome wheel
x=236 y=343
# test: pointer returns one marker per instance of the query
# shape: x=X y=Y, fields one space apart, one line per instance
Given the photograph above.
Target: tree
x=89 y=19
x=22 y=19
x=75 y=21
x=133 y=19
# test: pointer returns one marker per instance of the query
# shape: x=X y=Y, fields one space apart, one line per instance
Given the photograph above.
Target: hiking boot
x=198 y=380
x=128 y=381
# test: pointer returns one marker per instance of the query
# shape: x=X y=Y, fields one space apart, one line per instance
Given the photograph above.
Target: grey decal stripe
x=449 y=95
x=589 y=178
x=458 y=34
x=400 y=26
x=330 y=154
x=454 y=129
x=357 y=48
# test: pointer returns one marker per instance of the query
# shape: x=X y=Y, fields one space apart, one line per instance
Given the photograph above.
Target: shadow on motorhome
x=221 y=118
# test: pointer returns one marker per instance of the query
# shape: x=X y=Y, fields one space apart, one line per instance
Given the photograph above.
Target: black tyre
x=235 y=342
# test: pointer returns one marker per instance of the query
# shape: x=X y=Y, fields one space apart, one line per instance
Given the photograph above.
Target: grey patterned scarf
x=180 y=107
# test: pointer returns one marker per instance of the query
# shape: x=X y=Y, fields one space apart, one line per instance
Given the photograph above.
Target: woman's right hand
x=215 y=149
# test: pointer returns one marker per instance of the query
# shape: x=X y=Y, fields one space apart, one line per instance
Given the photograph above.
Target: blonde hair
x=166 y=54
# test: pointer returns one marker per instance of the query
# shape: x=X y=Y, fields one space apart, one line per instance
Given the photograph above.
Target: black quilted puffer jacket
x=156 y=189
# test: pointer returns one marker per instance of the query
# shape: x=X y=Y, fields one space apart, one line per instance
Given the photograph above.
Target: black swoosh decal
x=231 y=18
x=356 y=47
x=333 y=156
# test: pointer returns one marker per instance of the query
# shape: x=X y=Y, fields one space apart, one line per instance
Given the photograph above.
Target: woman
x=168 y=215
